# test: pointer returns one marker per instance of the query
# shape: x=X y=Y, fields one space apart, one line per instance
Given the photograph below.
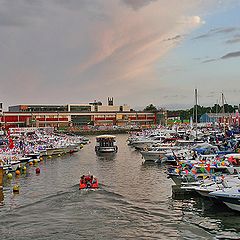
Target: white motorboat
x=146 y=142
x=157 y=153
x=222 y=182
x=230 y=196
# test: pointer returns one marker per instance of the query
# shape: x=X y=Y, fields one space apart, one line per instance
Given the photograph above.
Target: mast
x=223 y=112
x=196 y=103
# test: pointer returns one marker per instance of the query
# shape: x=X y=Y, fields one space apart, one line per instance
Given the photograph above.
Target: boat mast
x=223 y=112
x=196 y=103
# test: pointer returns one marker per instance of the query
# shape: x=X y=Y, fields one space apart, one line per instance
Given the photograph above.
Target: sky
x=136 y=51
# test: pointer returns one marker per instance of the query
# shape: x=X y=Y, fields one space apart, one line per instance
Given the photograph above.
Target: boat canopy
x=105 y=136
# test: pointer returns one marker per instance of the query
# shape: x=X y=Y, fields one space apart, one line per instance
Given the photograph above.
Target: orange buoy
x=17 y=172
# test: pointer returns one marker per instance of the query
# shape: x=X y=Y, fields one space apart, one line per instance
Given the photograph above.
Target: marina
x=119 y=120
x=52 y=200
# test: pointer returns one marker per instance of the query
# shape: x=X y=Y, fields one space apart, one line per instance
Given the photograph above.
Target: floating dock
x=179 y=193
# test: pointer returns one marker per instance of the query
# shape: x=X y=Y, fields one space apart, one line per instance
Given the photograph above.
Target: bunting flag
x=194 y=171
x=208 y=168
x=232 y=160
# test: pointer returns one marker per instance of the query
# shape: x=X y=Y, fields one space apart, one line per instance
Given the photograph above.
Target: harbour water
x=134 y=202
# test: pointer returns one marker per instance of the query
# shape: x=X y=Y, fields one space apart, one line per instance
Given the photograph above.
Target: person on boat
x=94 y=180
x=83 y=179
x=88 y=181
x=194 y=157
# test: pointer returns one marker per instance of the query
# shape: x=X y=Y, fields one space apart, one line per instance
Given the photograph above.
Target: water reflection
x=106 y=156
x=1 y=197
x=208 y=214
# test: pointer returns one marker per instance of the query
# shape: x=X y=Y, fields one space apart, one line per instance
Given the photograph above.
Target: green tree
x=150 y=108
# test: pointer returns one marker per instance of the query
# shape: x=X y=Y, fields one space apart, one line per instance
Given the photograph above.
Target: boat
x=231 y=197
x=223 y=182
x=106 y=144
x=88 y=182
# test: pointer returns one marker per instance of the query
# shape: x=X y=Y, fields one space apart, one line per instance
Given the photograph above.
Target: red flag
x=208 y=168
x=11 y=143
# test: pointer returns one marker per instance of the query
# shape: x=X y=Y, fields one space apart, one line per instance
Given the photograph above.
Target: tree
x=150 y=108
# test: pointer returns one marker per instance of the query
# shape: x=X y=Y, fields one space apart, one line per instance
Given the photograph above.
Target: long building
x=97 y=114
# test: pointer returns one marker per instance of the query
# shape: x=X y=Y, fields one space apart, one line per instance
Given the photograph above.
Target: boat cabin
x=106 y=143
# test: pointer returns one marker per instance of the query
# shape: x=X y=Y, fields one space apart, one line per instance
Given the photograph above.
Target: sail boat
x=195 y=112
x=223 y=99
x=194 y=117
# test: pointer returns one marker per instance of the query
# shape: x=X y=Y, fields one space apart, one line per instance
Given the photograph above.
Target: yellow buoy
x=59 y=155
x=30 y=163
x=50 y=156
x=35 y=161
x=41 y=158
x=17 y=172
x=16 y=189
x=9 y=176
x=24 y=169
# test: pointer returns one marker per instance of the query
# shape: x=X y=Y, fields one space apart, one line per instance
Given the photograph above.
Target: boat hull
x=106 y=149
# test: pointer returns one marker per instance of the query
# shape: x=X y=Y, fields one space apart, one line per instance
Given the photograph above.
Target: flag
x=11 y=143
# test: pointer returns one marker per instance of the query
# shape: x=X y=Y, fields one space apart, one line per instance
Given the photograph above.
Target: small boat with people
x=88 y=182
x=106 y=144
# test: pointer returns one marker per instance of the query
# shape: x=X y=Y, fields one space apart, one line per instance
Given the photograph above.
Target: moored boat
x=231 y=197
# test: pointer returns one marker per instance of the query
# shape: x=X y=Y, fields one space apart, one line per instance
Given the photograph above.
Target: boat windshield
x=106 y=141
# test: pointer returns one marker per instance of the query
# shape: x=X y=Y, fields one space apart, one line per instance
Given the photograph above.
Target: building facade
x=94 y=114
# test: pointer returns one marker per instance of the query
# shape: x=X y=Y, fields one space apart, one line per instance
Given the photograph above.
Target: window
x=80 y=108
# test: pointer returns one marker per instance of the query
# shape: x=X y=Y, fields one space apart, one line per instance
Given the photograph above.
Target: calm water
x=134 y=202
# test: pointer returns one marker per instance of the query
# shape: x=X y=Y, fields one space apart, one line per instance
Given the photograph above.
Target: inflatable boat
x=88 y=182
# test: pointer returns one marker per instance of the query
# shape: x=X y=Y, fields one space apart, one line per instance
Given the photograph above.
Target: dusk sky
x=137 y=51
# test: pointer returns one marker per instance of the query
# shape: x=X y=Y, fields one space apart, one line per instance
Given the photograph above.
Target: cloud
x=137 y=4
x=217 y=31
x=19 y=13
x=209 y=60
x=177 y=37
x=77 y=51
x=231 y=55
x=235 y=39
x=226 y=56
x=176 y=96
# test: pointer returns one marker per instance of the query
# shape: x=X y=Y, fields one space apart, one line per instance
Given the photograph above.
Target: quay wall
x=100 y=132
